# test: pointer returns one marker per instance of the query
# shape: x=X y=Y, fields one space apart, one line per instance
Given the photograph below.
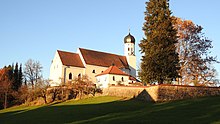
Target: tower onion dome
x=129 y=39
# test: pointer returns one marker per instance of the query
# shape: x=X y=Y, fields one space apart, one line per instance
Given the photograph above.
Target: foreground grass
x=116 y=110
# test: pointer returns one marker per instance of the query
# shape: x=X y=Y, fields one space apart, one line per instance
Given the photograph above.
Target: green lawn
x=114 y=110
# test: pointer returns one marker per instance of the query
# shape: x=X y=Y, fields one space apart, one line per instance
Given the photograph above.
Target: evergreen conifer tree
x=16 y=78
x=160 y=60
x=20 y=76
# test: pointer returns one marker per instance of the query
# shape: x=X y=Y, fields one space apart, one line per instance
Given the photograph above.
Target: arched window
x=93 y=71
x=113 y=78
x=122 y=79
x=79 y=75
x=128 y=49
x=70 y=76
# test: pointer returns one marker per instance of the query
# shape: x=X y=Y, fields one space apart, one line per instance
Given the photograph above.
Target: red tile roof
x=70 y=59
x=113 y=70
x=97 y=58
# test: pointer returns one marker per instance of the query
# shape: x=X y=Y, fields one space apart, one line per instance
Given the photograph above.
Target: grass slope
x=116 y=110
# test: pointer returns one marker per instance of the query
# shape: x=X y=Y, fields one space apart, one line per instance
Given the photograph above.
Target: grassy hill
x=108 y=109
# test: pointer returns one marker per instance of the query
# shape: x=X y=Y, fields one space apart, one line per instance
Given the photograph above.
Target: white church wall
x=132 y=65
x=75 y=71
x=104 y=81
x=55 y=70
x=118 y=79
x=129 y=49
x=129 y=52
x=92 y=71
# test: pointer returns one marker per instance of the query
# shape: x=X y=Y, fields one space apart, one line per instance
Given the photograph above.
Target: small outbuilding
x=112 y=76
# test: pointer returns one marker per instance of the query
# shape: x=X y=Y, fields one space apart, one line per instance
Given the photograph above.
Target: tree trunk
x=160 y=81
x=45 y=99
x=6 y=100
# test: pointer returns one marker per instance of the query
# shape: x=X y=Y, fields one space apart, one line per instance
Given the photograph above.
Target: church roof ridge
x=92 y=57
x=98 y=58
x=66 y=51
x=100 y=51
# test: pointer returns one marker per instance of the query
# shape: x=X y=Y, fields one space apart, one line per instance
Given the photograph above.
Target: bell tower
x=129 y=45
x=129 y=52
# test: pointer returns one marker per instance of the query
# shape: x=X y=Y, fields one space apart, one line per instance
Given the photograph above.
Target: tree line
x=174 y=49
x=26 y=85
x=14 y=82
x=11 y=79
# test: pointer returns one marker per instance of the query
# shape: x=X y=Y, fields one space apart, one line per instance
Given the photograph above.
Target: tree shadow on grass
x=205 y=110
x=68 y=113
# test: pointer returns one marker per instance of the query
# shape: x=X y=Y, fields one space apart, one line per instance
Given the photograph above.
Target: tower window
x=70 y=76
x=122 y=79
x=128 y=49
x=113 y=78
x=93 y=71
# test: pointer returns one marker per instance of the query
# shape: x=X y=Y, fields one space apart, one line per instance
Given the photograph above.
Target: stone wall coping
x=165 y=85
x=188 y=86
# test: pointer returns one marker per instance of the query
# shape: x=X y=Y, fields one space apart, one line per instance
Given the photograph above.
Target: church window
x=70 y=76
x=128 y=49
x=131 y=49
x=122 y=79
x=93 y=71
x=79 y=75
x=113 y=78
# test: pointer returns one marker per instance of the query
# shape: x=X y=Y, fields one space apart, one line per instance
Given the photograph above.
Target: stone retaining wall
x=161 y=93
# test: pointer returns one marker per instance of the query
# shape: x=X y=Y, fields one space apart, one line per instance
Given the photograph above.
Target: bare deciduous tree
x=82 y=85
x=33 y=70
x=41 y=89
x=193 y=49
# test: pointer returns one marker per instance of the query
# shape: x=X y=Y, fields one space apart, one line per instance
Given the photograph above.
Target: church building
x=102 y=68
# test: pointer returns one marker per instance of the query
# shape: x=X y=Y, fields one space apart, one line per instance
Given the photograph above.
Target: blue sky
x=37 y=28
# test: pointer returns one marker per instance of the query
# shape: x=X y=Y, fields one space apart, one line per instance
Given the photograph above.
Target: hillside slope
x=108 y=109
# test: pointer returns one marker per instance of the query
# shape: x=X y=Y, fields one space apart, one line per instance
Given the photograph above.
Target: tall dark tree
x=10 y=72
x=160 y=59
x=20 y=76
x=15 y=76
